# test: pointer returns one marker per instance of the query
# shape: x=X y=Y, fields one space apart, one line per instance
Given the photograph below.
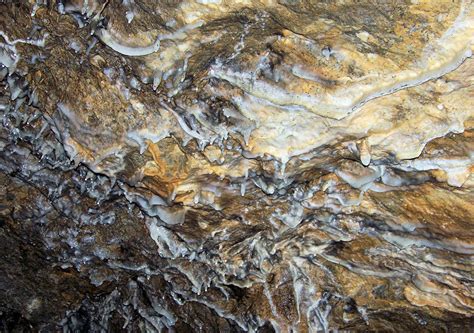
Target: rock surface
x=237 y=165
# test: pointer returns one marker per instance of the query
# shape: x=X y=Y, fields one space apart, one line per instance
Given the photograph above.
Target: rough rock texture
x=237 y=165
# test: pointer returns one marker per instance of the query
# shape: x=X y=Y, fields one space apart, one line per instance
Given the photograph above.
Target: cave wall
x=236 y=165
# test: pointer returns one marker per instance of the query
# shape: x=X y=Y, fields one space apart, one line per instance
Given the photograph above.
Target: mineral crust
x=236 y=166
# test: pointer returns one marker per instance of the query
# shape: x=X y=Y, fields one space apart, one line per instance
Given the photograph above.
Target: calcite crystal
x=237 y=165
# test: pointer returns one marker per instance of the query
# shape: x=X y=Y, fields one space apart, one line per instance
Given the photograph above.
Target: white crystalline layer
x=168 y=244
x=285 y=132
x=8 y=53
x=70 y=115
x=451 y=51
x=191 y=132
x=107 y=38
x=155 y=206
x=8 y=58
x=359 y=180
x=455 y=246
x=208 y=2
x=293 y=217
x=170 y=215
x=284 y=124
x=142 y=135
x=457 y=170
x=277 y=128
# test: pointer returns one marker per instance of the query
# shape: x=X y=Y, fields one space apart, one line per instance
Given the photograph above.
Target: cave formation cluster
x=236 y=166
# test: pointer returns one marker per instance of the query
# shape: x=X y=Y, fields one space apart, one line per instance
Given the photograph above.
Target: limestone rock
x=227 y=166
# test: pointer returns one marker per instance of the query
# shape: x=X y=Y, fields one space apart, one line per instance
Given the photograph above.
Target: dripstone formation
x=236 y=166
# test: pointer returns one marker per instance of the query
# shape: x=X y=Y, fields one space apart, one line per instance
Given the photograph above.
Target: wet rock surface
x=227 y=166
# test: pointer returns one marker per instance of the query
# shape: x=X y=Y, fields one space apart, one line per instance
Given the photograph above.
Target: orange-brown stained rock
x=169 y=166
